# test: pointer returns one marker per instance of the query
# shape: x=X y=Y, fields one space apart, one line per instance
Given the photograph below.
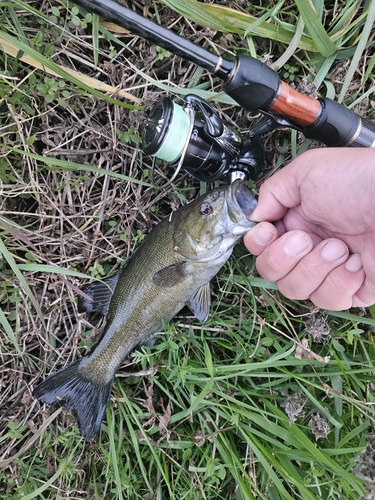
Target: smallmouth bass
x=171 y=268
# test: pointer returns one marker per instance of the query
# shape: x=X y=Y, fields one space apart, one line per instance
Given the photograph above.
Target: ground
x=247 y=406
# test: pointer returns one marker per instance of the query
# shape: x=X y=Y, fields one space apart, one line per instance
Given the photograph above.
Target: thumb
x=282 y=191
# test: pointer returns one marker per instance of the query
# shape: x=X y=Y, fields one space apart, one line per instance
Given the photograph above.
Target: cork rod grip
x=301 y=109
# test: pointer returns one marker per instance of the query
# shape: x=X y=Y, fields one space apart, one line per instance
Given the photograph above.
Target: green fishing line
x=176 y=137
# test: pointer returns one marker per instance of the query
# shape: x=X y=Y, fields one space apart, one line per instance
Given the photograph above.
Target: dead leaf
x=164 y=420
x=303 y=351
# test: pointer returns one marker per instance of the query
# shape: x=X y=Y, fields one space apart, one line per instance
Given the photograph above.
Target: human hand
x=322 y=245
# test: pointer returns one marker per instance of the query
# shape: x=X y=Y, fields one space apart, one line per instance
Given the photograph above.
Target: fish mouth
x=242 y=199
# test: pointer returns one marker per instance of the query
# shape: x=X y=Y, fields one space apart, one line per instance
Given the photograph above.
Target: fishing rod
x=252 y=84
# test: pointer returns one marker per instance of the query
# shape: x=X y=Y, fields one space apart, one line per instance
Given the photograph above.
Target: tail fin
x=71 y=390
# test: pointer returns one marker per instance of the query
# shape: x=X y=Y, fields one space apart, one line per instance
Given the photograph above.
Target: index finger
x=282 y=190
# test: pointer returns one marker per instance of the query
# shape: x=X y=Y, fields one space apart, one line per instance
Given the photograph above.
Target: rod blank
x=154 y=33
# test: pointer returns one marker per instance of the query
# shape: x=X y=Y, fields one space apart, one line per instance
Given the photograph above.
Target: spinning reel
x=196 y=139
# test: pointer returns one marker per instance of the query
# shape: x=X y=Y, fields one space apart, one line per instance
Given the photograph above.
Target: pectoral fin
x=101 y=293
x=200 y=303
x=170 y=276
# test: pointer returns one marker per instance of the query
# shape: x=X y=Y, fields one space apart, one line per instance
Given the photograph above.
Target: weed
x=162 y=53
x=290 y=72
x=129 y=136
x=52 y=89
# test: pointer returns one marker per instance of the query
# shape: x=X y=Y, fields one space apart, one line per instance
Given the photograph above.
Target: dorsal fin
x=100 y=293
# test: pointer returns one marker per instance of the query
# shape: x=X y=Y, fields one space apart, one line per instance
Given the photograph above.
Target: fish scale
x=172 y=267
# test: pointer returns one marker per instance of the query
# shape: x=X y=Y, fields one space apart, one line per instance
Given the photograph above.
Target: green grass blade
x=63 y=468
x=321 y=408
x=46 y=268
x=264 y=18
x=352 y=317
x=95 y=38
x=292 y=47
x=16 y=270
x=18 y=26
x=229 y=20
x=365 y=35
x=319 y=35
x=9 y=331
x=28 y=8
x=113 y=454
x=55 y=163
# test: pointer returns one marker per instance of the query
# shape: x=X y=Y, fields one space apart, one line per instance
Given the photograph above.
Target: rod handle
x=339 y=126
x=301 y=109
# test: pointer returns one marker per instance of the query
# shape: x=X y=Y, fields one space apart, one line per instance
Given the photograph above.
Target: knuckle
x=335 y=293
x=332 y=303
x=301 y=282
x=291 y=290
x=270 y=267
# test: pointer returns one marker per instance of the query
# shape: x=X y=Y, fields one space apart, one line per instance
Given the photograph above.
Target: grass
x=270 y=399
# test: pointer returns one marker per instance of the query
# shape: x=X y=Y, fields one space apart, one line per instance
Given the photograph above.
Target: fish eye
x=205 y=209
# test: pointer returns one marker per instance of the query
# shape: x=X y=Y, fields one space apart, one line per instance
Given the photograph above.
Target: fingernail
x=296 y=243
x=254 y=216
x=262 y=235
x=354 y=263
x=333 y=250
